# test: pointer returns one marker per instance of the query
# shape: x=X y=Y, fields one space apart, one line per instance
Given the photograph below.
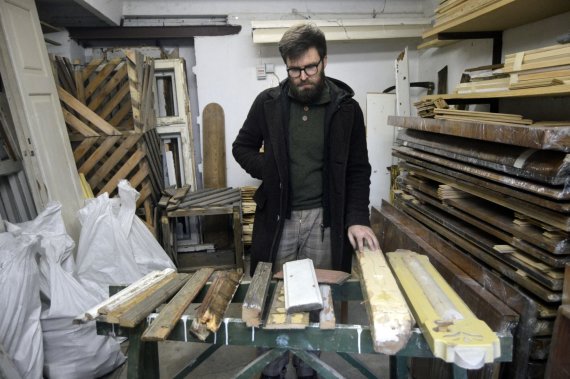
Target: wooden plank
x=555 y=219
x=535 y=136
x=401 y=231
x=91 y=67
x=546 y=166
x=78 y=125
x=278 y=318
x=99 y=153
x=114 y=313
x=211 y=312
x=115 y=101
x=123 y=112
x=442 y=315
x=214 y=146
x=87 y=113
x=327 y=319
x=139 y=312
x=115 y=80
x=556 y=193
x=390 y=318
x=324 y=276
x=301 y=287
x=256 y=296
x=113 y=160
x=83 y=148
x=162 y=325
x=558 y=365
x=123 y=172
x=96 y=81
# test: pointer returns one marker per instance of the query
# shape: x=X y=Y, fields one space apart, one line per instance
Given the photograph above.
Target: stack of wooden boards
x=108 y=108
x=248 y=212
x=543 y=67
x=450 y=10
x=426 y=108
x=499 y=196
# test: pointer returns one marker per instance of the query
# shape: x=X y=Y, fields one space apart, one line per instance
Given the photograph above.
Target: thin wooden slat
x=327 y=319
x=123 y=172
x=139 y=312
x=140 y=175
x=278 y=318
x=90 y=67
x=83 y=148
x=255 y=298
x=98 y=98
x=324 y=276
x=114 y=101
x=87 y=113
x=144 y=193
x=120 y=115
x=96 y=81
x=112 y=161
x=133 y=62
x=98 y=155
x=78 y=125
x=161 y=327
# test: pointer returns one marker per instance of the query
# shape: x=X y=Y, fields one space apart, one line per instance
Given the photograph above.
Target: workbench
x=143 y=357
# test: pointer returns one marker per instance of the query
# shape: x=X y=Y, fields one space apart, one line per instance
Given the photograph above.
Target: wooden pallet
x=108 y=108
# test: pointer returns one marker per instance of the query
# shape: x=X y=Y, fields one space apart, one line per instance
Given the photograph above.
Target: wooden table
x=143 y=357
x=210 y=202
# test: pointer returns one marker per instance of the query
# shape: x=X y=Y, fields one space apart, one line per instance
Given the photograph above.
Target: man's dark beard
x=310 y=95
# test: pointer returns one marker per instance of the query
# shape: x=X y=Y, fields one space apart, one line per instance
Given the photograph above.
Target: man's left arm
x=358 y=188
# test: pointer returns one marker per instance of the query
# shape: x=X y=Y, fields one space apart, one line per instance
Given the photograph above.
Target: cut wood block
x=278 y=318
x=390 y=318
x=453 y=332
x=254 y=301
x=301 y=286
x=211 y=312
x=140 y=311
x=327 y=319
x=504 y=249
x=324 y=276
x=163 y=324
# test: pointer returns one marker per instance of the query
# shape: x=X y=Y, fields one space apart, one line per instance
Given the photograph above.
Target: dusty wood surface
x=390 y=318
x=324 y=276
x=214 y=146
x=301 y=287
x=546 y=166
x=278 y=318
x=256 y=296
x=162 y=325
x=136 y=314
x=534 y=136
x=211 y=312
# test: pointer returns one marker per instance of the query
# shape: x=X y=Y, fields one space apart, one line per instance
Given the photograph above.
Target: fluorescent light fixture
x=270 y=31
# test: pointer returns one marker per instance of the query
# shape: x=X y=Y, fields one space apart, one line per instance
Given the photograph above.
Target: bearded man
x=313 y=199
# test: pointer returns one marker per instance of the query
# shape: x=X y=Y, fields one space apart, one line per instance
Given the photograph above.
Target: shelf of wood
x=504 y=14
x=559 y=90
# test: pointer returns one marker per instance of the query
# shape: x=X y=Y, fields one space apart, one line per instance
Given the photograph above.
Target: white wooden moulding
x=302 y=291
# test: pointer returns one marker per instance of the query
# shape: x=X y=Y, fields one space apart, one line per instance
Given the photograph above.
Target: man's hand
x=359 y=235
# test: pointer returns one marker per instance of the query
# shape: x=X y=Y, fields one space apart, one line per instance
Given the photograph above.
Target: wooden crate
x=108 y=108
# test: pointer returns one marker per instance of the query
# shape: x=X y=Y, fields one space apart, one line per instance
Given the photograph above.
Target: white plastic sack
x=115 y=247
x=20 y=329
x=70 y=350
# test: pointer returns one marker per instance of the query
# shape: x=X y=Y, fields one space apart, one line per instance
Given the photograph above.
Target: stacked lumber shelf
x=496 y=190
x=426 y=108
x=108 y=108
x=248 y=212
x=538 y=68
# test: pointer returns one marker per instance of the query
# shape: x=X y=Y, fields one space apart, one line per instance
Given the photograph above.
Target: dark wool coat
x=346 y=176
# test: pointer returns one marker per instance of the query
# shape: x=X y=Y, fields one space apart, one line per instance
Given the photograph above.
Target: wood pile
x=248 y=212
x=450 y=10
x=543 y=67
x=426 y=108
x=108 y=108
x=488 y=117
x=499 y=196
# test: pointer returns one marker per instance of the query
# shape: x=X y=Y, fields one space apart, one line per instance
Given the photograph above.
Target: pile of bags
x=42 y=288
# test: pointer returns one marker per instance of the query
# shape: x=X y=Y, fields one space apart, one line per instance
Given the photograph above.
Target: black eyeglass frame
x=301 y=69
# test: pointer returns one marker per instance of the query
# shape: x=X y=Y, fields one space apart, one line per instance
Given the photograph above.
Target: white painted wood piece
x=390 y=318
x=301 y=286
x=124 y=295
x=327 y=319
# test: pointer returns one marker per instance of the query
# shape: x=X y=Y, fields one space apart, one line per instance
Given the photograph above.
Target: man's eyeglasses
x=310 y=70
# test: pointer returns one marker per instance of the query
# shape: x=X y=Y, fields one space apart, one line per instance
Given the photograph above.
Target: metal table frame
x=344 y=339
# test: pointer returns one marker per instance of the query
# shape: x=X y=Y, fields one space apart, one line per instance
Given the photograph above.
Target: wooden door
x=35 y=107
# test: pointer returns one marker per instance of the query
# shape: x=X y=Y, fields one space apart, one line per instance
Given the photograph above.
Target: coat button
x=277 y=217
x=305 y=118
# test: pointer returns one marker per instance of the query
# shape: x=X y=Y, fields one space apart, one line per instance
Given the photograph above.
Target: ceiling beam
x=90 y=36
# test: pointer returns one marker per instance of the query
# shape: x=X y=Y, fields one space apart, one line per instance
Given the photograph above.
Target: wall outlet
x=260 y=70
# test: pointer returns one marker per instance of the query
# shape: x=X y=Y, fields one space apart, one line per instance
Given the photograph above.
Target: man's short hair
x=300 y=38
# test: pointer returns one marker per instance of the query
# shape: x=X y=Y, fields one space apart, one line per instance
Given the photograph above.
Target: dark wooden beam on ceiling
x=87 y=36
